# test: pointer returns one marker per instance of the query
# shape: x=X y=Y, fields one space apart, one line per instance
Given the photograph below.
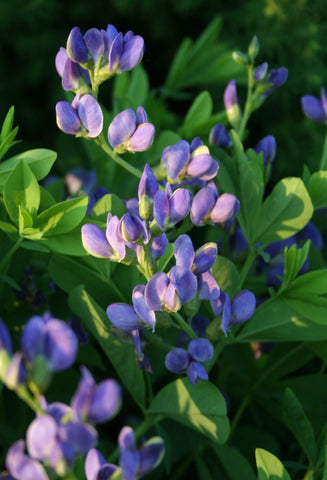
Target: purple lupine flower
x=219 y=136
x=158 y=246
x=267 y=146
x=208 y=206
x=261 y=72
x=179 y=361
x=170 y=207
x=314 y=108
x=147 y=188
x=136 y=462
x=74 y=76
x=81 y=118
x=131 y=132
x=238 y=310
x=275 y=78
x=127 y=317
x=108 y=244
x=231 y=103
x=16 y=373
x=80 y=180
x=96 y=403
x=133 y=230
x=96 y=467
x=22 y=467
x=57 y=438
x=124 y=51
x=170 y=292
x=51 y=339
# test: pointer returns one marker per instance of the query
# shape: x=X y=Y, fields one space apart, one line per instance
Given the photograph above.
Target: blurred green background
x=291 y=34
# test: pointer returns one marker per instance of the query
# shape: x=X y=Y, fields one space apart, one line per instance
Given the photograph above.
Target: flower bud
x=232 y=107
x=254 y=48
x=240 y=58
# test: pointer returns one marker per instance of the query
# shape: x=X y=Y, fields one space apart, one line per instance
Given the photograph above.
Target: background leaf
x=269 y=467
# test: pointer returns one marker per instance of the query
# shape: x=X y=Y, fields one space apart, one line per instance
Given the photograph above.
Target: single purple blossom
x=219 y=136
x=5 y=338
x=238 y=310
x=73 y=75
x=231 y=103
x=147 y=188
x=315 y=108
x=267 y=146
x=96 y=467
x=131 y=132
x=81 y=118
x=136 y=462
x=22 y=467
x=170 y=207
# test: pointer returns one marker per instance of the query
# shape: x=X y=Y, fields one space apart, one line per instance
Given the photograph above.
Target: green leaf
x=39 y=160
x=314 y=282
x=226 y=275
x=269 y=467
x=8 y=143
x=313 y=307
x=199 y=112
x=299 y=424
x=176 y=67
x=21 y=189
x=200 y=406
x=285 y=211
x=235 y=465
x=7 y=124
x=318 y=189
x=62 y=217
x=294 y=260
x=276 y=321
x=25 y=220
x=325 y=466
x=67 y=244
x=108 y=203
x=139 y=86
x=121 y=355
x=69 y=272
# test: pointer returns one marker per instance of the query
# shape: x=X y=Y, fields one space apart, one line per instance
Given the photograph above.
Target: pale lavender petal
x=41 y=437
x=22 y=467
x=226 y=207
x=74 y=76
x=79 y=436
x=148 y=184
x=160 y=208
x=208 y=288
x=141 y=308
x=205 y=257
x=60 y=344
x=124 y=317
x=177 y=360
x=155 y=290
x=175 y=158
x=200 y=350
x=115 y=51
x=141 y=115
x=93 y=462
x=159 y=245
x=94 y=42
x=60 y=61
x=261 y=71
x=122 y=127
x=132 y=54
x=106 y=401
x=90 y=114
x=76 y=48
x=185 y=283
x=184 y=251
x=230 y=95
x=126 y=439
x=95 y=241
x=142 y=138
x=202 y=204
x=111 y=32
x=172 y=302
x=32 y=338
x=113 y=236
x=67 y=118
x=179 y=205
x=82 y=398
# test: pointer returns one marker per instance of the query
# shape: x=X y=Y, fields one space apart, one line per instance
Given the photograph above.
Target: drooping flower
x=315 y=108
x=179 y=361
x=81 y=118
x=136 y=462
x=238 y=310
x=131 y=132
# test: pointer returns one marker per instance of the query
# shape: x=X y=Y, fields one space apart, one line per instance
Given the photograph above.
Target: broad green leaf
x=39 y=160
x=269 y=467
x=7 y=124
x=285 y=211
x=276 y=321
x=8 y=228
x=25 y=220
x=69 y=272
x=62 y=217
x=314 y=282
x=139 y=86
x=199 y=112
x=8 y=143
x=121 y=355
x=226 y=275
x=108 y=203
x=21 y=189
x=312 y=307
x=200 y=406
x=235 y=466
x=67 y=243
x=318 y=189
x=299 y=424
x=176 y=67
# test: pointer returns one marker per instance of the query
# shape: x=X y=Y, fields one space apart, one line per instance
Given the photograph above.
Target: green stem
x=116 y=158
x=7 y=257
x=239 y=412
x=309 y=474
x=247 y=265
x=24 y=395
x=248 y=104
x=184 y=326
x=323 y=161
x=217 y=351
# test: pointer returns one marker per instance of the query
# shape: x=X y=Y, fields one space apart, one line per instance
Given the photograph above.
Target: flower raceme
x=130 y=131
x=81 y=118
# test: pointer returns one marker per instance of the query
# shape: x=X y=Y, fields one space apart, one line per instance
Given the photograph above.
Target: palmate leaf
x=200 y=406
